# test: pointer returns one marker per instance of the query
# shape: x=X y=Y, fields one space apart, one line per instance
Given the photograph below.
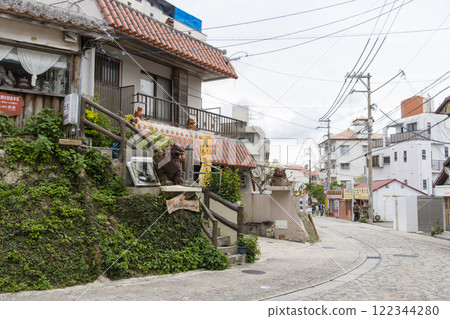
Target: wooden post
x=38 y=104
x=215 y=232
x=240 y=220
x=82 y=116
x=123 y=142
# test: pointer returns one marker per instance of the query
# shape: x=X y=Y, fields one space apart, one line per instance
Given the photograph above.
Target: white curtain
x=4 y=51
x=35 y=62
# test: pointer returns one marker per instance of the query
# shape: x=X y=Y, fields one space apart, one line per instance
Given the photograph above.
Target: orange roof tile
x=224 y=151
x=132 y=22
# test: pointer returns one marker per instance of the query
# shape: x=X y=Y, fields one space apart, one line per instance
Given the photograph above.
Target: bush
x=7 y=127
x=228 y=186
x=46 y=123
x=251 y=243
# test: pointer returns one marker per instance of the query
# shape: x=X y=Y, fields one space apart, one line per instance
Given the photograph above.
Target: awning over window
x=224 y=151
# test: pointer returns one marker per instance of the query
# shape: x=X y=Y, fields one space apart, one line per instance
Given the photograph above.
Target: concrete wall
x=279 y=207
x=430 y=209
x=227 y=213
x=405 y=217
x=35 y=34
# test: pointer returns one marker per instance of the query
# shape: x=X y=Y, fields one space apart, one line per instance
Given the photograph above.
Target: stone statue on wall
x=169 y=165
x=279 y=177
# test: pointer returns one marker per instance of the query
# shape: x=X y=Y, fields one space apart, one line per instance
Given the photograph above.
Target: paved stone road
x=337 y=267
x=411 y=267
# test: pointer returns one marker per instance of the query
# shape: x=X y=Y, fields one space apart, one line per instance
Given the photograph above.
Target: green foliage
x=335 y=185
x=437 y=229
x=46 y=123
x=39 y=150
x=251 y=243
x=57 y=229
x=228 y=186
x=7 y=127
x=316 y=191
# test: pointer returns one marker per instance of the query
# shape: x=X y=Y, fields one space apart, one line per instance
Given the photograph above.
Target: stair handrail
x=122 y=124
x=239 y=227
x=215 y=224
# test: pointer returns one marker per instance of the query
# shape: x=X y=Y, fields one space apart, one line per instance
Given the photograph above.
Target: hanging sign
x=361 y=193
x=11 y=105
x=205 y=157
x=348 y=194
x=179 y=202
x=334 y=194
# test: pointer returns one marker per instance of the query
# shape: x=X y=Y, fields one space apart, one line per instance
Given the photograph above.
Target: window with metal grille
x=405 y=156
x=386 y=160
x=395 y=156
x=424 y=154
x=107 y=69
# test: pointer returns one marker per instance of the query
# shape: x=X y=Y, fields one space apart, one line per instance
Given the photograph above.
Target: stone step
x=237 y=259
x=223 y=241
x=229 y=250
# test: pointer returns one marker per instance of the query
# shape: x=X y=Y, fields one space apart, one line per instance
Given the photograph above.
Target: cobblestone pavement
x=410 y=267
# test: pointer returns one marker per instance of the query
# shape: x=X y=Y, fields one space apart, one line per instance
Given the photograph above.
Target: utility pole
x=310 y=179
x=369 y=136
x=328 y=155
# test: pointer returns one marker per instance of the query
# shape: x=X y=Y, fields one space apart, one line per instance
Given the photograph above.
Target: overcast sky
x=289 y=89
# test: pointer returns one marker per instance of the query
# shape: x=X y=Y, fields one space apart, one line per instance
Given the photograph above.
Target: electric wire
x=277 y=17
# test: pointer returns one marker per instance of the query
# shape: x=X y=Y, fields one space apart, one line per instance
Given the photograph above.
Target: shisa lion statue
x=279 y=177
x=169 y=165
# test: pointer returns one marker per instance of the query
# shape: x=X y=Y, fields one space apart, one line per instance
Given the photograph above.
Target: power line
x=304 y=30
x=359 y=35
x=325 y=36
x=276 y=17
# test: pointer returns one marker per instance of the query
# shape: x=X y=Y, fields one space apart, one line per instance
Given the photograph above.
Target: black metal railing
x=178 y=115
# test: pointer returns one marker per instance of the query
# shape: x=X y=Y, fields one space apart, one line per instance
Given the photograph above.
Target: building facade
x=348 y=150
x=413 y=149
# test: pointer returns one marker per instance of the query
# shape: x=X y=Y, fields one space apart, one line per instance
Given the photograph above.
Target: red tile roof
x=132 y=22
x=302 y=169
x=376 y=185
x=224 y=151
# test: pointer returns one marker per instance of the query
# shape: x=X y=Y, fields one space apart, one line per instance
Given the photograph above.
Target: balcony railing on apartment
x=437 y=165
x=406 y=136
x=402 y=137
x=175 y=114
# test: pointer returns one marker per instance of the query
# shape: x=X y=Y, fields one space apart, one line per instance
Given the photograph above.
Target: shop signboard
x=362 y=193
x=334 y=194
x=10 y=104
x=348 y=194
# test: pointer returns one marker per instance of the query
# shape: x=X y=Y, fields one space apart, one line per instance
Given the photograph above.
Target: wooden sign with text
x=180 y=202
x=10 y=105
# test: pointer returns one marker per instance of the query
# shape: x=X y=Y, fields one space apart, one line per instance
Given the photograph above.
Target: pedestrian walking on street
x=356 y=210
x=313 y=209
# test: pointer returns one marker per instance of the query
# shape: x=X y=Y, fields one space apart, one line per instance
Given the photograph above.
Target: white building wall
x=384 y=199
x=36 y=35
x=355 y=158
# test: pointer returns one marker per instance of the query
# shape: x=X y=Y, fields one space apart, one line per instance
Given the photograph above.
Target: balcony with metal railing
x=178 y=115
x=407 y=136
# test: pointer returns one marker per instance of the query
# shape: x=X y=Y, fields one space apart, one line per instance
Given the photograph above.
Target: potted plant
x=250 y=243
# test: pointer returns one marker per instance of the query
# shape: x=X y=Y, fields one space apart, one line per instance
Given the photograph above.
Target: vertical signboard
x=205 y=157
x=71 y=106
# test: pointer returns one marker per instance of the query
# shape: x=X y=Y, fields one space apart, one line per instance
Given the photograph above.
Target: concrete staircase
x=224 y=245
